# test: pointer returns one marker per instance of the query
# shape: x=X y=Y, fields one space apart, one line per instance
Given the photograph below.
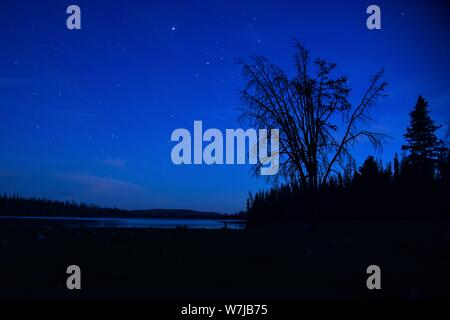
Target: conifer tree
x=422 y=143
x=396 y=167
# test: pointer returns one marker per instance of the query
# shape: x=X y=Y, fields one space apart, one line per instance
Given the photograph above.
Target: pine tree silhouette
x=422 y=143
x=396 y=167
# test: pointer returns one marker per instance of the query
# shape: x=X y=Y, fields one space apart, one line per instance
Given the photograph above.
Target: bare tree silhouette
x=317 y=123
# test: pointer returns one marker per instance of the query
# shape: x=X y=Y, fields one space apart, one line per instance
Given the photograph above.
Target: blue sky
x=87 y=115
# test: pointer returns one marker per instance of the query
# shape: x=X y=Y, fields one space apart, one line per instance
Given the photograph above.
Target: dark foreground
x=324 y=261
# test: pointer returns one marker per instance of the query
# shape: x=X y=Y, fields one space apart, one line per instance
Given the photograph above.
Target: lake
x=76 y=222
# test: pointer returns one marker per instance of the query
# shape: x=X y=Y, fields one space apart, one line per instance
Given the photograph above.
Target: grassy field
x=327 y=260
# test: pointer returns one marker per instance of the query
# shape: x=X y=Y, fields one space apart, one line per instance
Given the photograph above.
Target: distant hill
x=175 y=213
x=15 y=205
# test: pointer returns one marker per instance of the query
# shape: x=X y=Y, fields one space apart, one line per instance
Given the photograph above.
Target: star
x=173 y=28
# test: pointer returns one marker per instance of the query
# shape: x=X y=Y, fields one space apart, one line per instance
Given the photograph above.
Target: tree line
x=318 y=129
x=415 y=185
x=16 y=205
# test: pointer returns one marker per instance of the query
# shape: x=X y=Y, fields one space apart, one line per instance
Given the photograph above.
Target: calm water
x=137 y=222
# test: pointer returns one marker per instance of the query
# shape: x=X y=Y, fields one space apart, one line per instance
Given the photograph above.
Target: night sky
x=87 y=115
